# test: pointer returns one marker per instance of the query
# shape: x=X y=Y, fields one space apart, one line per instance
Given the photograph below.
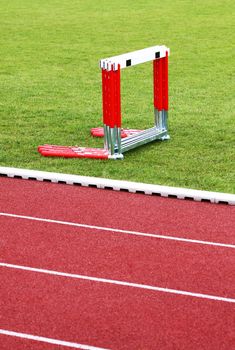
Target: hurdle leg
x=160 y=86
x=112 y=111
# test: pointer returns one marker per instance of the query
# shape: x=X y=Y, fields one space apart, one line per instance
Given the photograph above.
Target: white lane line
x=136 y=233
x=119 y=283
x=49 y=340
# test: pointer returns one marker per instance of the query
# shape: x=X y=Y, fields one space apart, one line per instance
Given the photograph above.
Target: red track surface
x=104 y=314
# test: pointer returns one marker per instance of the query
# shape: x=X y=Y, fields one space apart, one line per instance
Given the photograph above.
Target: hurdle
x=117 y=140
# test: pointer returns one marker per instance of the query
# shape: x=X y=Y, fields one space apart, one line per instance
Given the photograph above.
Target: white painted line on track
x=118 y=185
x=119 y=283
x=109 y=229
x=49 y=340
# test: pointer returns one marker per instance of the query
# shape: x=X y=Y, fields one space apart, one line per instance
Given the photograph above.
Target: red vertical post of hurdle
x=157 y=83
x=118 y=97
x=165 y=82
x=160 y=91
x=111 y=96
x=160 y=83
x=112 y=114
x=104 y=96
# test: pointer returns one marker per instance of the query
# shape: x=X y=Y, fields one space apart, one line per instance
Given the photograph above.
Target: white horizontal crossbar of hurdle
x=135 y=57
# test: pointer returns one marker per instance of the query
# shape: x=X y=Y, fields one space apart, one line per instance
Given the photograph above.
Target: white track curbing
x=118 y=185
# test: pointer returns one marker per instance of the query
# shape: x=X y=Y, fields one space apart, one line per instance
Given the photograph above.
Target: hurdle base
x=144 y=137
x=73 y=152
x=165 y=137
x=116 y=156
x=99 y=132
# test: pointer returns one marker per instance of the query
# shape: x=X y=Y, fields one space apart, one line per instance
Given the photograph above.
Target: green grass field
x=50 y=86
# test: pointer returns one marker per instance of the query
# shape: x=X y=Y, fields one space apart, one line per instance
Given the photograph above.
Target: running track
x=97 y=269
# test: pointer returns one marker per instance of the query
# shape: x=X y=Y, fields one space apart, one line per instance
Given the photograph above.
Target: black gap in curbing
x=223 y=202
x=77 y=184
x=124 y=190
x=92 y=185
x=46 y=180
x=172 y=196
x=205 y=200
x=62 y=182
x=189 y=198
x=128 y=63
x=3 y=175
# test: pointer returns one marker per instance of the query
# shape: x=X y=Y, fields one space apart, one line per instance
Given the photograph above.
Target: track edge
x=120 y=185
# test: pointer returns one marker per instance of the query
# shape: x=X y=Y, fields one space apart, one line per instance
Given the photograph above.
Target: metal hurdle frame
x=111 y=93
x=117 y=140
